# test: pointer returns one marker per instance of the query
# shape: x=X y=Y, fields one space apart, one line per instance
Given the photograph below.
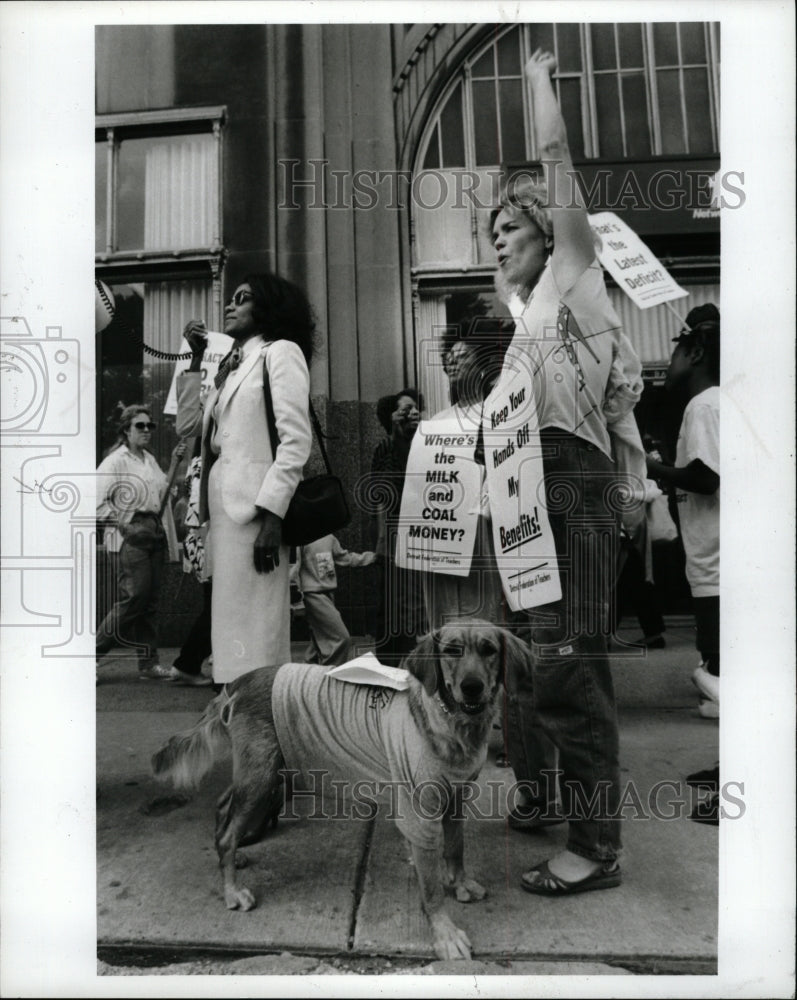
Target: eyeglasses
x=145 y=427
x=241 y=297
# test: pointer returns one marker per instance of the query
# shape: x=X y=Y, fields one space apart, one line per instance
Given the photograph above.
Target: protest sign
x=525 y=551
x=441 y=497
x=633 y=266
x=219 y=344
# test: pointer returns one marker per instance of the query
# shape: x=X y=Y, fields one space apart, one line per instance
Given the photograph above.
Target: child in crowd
x=693 y=376
x=330 y=640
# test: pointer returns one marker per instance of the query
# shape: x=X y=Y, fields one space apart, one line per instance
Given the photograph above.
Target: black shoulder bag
x=319 y=505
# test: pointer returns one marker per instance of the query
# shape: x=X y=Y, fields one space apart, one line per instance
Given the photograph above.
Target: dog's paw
x=468 y=890
x=239 y=899
x=450 y=941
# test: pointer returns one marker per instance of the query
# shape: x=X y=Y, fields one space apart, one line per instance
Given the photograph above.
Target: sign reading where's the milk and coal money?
x=524 y=546
x=440 y=498
x=219 y=345
x=636 y=270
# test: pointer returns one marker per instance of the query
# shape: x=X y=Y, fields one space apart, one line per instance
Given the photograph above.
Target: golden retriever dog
x=430 y=739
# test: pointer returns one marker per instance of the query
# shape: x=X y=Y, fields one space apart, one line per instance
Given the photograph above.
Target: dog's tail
x=187 y=757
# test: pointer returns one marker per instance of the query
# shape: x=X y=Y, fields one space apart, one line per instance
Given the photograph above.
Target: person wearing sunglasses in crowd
x=138 y=538
x=245 y=489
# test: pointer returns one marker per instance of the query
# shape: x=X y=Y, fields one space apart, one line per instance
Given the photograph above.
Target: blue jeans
x=570 y=696
x=132 y=619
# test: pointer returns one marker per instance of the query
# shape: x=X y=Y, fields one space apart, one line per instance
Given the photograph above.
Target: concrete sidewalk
x=344 y=888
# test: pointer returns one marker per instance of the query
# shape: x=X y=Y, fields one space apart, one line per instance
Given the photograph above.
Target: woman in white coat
x=245 y=489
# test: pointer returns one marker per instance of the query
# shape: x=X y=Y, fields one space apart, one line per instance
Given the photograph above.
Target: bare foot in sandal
x=572 y=867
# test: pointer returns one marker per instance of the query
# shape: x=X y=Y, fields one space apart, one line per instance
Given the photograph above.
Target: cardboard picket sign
x=525 y=550
x=219 y=344
x=633 y=266
x=440 y=498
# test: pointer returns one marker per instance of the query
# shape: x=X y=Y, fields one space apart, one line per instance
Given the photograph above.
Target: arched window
x=626 y=91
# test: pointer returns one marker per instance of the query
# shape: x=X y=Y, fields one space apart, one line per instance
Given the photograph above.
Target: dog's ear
x=422 y=662
x=516 y=659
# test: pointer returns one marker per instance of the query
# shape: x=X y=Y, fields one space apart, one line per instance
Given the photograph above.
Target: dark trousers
x=707 y=620
x=636 y=593
x=400 y=613
x=569 y=697
x=197 y=648
x=132 y=619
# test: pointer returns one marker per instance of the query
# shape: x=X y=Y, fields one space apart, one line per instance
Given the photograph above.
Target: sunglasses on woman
x=241 y=297
x=145 y=427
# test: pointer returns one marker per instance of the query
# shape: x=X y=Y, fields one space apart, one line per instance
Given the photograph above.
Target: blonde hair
x=530 y=197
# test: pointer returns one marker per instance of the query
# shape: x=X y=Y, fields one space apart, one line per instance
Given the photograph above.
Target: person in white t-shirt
x=130 y=494
x=330 y=641
x=693 y=376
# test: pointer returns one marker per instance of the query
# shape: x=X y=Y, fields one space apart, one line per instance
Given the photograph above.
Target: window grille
x=626 y=90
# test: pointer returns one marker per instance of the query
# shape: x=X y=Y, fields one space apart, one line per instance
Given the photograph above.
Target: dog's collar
x=441 y=704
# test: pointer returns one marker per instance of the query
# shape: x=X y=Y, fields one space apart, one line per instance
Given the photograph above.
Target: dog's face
x=464 y=662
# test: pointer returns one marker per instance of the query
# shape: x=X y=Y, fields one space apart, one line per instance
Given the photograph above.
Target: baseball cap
x=707 y=313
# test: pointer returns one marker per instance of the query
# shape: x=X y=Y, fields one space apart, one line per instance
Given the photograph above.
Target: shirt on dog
x=366 y=738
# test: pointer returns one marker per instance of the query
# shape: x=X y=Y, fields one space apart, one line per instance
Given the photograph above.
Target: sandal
x=542 y=881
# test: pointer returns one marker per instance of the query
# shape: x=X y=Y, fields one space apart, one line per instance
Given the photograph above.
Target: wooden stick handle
x=676 y=314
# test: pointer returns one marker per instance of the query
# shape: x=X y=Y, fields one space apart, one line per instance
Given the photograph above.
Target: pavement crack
x=359 y=882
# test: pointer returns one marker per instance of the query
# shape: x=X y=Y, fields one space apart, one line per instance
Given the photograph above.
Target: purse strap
x=167 y=491
x=271 y=420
